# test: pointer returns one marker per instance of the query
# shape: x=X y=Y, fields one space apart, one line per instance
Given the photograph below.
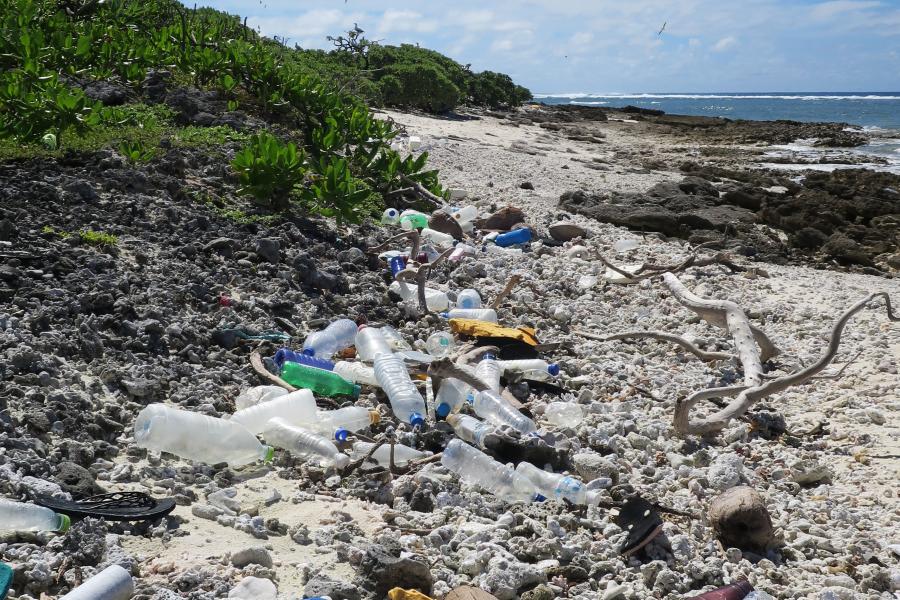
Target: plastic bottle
x=517 y=236
x=334 y=338
x=406 y=401
x=112 y=583
x=758 y=595
x=320 y=381
x=286 y=354
x=466 y=214
x=382 y=456
x=468 y=298
x=434 y=299
x=440 y=344
x=534 y=367
x=734 y=591
x=489 y=371
x=303 y=443
x=438 y=238
x=480 y=314
x=342 y=422
x=356 y=372
x=413 y=220
x=564 y=414
x=19 y=516
x=296 y=407
x=451 y=396
x=491 y=407
x=470 y=429
x=557 y=485
x=255 y=395
x=475 y=467
x=370 y=342
x=395 y=339
x=390 y=216
x=460 y=251
x=197 y=437
x=397 y=264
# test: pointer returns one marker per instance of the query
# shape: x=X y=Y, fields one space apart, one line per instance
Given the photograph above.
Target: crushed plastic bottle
x=370 y=342
x=475 y=467
x=468 y=298
x=489 y=371
x=564 y=414
x=390 y=216
x=465 y=215
x=356 y=372
x=19 y=516
x=438 y=238
x=410 y=219
x=382 y=456
x=460 y=251
x=440 y=344
x=625 y=245
x=451 y=396
x=286 y=354
x=334 y=338
x=260 y=393
x=490 y=406
x=535 y=368
x=435 y=300
x=556 y=485
x=303 y=443
x=393 y=377
x=296 y=407
x=395 y=339
x=470 y=429
x=512 y=238
x=197 y=437
x=320 y=381
x=342 y=422
x=480 y=314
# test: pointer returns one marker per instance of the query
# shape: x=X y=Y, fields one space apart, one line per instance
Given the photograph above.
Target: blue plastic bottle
x=286 y=354
x=517 y=236
x=398 y=263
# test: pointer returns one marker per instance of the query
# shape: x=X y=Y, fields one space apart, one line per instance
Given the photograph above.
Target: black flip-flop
x=118 y=506
x=641 y=521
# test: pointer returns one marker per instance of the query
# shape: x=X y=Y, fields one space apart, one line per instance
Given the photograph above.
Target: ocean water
x=878 y=113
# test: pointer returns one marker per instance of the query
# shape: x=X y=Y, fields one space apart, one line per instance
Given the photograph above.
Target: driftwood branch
x=513 y=282
x=435 y=201
x=412 y=235
x=445 y=367
x=660 y=336
x=750 y=396
x=257 y=363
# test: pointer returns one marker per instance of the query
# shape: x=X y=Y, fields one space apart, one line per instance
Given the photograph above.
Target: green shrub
x=97 y=238
x=423 y=86
x=496 y=90
x=269 y=170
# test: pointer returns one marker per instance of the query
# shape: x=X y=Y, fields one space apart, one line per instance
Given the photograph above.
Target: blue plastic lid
x=309 y=351
x=445 y=314
x=553 y=369
x=341 y=434
x=539 y=498
x=488 y=356
x=416 y=420
x=281 y=356
x=442 y=409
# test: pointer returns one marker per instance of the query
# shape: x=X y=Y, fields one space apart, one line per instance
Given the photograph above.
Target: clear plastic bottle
x=468 y=298
x=439 y=238
x=382 y=456
x=489 y=371
x=556 y=485
x=466 y=214
x=303 y=443
x=393 y=377
x=395 y=339
x=564 y=414
x=391 y=216
x=19 y=516
x=255 y=395
x=434 y=299
x=286 y=354
x=370 y=342
x=491 y=407
x=461 y=250
x=356 y=372
x=334 y=338
x=451 y=396
x=470 y=429
x=536 y=368
x=320 y=381
x=481 y=314
x=475 y=467
x=342 y=422
x=296 y=407
x=197 y=437
x=440 y=344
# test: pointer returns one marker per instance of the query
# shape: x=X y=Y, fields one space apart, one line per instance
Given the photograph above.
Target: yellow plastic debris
x=485 y=329
x=401 y=594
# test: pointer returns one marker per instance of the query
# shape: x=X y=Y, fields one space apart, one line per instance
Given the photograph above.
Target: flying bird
x=661 y=29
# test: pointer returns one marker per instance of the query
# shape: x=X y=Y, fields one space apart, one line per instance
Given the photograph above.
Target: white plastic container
x=470 y=429
x=393 y=377
x=564 y=414
x=460 y=251
x=435 y=300
x=341 y=422
x=415 y=142
x=20 y=516
x=303 y=443
x=296 y=407
x=439 y=238
x=557 y=486
x=382 y=456
x=475 y=467
x=468 y=298
x=356 y=372
x=370 y=342
x=112 y=583
x=440 y=344
x=451 y=396
x=338 y=335
x=481 y=314
x=489 y=372
x=197 y=437
x=466 y=214
x=534 y=368
x=491 y=407
x=255 y=395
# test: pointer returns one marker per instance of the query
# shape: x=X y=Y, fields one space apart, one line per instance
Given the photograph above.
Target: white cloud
x=835 y=8
x=582 y=38
x=724 y=44
x=308 y=29
x=404 y=20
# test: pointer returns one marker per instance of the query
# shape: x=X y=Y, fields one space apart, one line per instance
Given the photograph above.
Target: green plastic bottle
x=320 y=381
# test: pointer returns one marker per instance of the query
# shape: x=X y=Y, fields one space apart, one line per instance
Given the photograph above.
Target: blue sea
x=878 y=113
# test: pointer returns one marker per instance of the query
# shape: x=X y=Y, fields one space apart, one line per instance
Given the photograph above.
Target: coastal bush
x=269 y=170
x=421 y=86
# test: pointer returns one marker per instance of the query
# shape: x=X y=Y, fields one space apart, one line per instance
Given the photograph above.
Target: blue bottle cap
x=309 y=351
x=281 y=356
x=553 y=369
x=488 y=356
x=341 y=434
x=445 y=315
x=416 y=420
x=539 y=498
x=442 y=409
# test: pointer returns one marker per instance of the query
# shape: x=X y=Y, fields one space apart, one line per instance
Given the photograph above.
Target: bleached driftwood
x=749 y=396
x=659 y=336
x=418 y=272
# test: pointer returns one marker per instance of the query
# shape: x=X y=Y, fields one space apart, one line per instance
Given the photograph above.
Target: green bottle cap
x=356 y=390
x=64 y=523
x=270 y=454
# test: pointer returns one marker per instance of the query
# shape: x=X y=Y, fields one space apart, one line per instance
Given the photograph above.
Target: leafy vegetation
x=97 y=238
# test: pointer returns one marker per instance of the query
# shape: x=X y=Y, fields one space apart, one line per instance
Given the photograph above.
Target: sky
x=613 y=46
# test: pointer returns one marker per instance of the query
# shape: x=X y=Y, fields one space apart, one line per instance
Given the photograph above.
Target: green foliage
x=269 y=169
x=422 y=86
x=495 y=90
x=97 y=238
x=136 y=151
